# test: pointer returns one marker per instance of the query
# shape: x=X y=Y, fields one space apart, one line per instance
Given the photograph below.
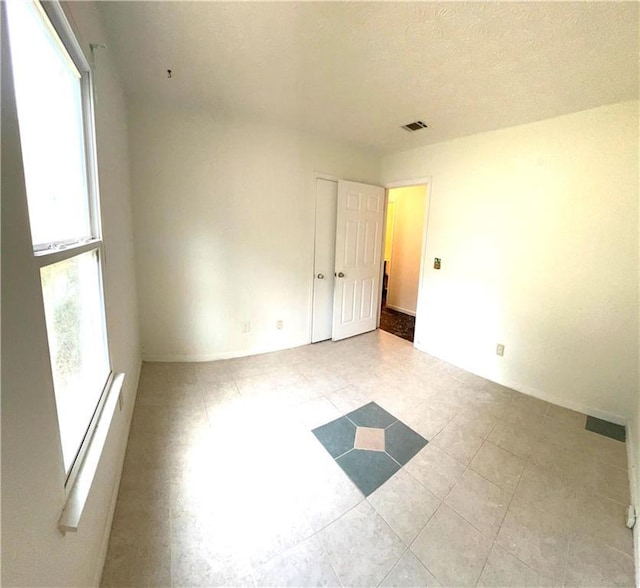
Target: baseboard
x=162 y=358
x=400 y=309
x=116 y=487
x=531 y=391
x=633 y=455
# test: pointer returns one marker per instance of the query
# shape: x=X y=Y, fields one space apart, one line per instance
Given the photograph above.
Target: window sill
x=79 y=492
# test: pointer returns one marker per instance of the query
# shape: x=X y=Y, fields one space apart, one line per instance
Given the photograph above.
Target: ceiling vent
x=415 y=126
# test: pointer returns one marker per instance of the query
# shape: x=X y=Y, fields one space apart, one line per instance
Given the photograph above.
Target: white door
x=358 y=258
x=324 y=259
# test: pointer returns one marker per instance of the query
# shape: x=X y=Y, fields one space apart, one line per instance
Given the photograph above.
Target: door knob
x=340 y=275
x=321 y=276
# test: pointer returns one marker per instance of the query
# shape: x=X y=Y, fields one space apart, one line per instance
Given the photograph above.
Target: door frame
x=426 y=181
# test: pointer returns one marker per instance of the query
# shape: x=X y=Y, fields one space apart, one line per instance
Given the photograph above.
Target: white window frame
x=82 y=471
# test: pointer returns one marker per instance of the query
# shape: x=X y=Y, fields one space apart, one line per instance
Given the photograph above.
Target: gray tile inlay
x=369 y=465
x=337 y=436
x=606 y=428
x=368 y=470
x=371 y=415
x=403 y=443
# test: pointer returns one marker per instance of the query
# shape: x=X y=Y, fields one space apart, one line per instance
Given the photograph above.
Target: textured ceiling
x=358 y=71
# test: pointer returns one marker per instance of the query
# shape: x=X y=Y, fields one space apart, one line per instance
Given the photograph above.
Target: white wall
x=34 y=553
x=537 y=228
x=224 y=229
x=633 y=438
x=406 y=250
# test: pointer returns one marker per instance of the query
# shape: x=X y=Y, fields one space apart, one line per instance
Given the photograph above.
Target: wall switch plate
x=279 y=325
x=245 y=326
x=500 y=349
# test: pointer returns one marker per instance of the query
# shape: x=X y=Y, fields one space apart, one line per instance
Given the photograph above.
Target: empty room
x=211 y=213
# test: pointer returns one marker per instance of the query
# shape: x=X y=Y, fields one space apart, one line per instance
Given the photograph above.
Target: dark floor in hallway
x=397 y=323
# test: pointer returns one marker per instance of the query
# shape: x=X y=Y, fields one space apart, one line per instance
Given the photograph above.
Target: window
x=53 y=96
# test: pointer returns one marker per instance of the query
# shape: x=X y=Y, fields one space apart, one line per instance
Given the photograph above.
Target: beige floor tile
x=141 y=528
x=451 y=370
x=520 y=415
x=209 y=372
x=219 y=393
x=453 y=550
x=326 y=494
x=405 y=504
x=475 y=422
x=504 y=570
x=498 y=391
x=546 y=491
x=477 y=382
x=607 y=450
x=424 y=419
x=458 y=443
x=435 y=470
x=498 y=466
x=519 y=440
x=410 y=573
x=396 y=400
x=562 y=462
x=480 y=502
x=530 y=403
x=347 y=399
x=325 y=381
x=537 y=538
x=150 y=418
x=567 y=416
x=449 y=405
x=199 y=565
x=306 y=564
x=272 y=529
x=603 y=519
x=591 y=563
x=169 y=372
x=608 y=480
x=136 y=566
x=316 y=412
x=565 y=435
x=361 y=547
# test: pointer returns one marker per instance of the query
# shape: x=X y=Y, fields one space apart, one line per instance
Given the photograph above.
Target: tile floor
x=370 y=445
x=225 y=484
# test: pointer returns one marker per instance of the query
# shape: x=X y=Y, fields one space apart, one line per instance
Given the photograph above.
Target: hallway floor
x=397 y=323
x=224 y=482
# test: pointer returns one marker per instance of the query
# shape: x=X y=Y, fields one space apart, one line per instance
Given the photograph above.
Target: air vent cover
x=415 y=126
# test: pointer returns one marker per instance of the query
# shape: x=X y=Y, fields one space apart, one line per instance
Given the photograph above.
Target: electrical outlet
x=279 y=325
x=245 y=326
x=500 y=349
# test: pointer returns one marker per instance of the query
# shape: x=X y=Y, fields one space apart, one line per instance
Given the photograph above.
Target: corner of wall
x=633 y=455
x=97 y=577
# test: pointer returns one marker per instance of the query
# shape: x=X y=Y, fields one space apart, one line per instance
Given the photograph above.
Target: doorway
x=404 y=232
x=349 y=226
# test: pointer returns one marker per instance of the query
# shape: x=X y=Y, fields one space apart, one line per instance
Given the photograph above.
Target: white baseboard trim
x=530 y=391
x=164 y=358
x=633 y=457
x=400 y=309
